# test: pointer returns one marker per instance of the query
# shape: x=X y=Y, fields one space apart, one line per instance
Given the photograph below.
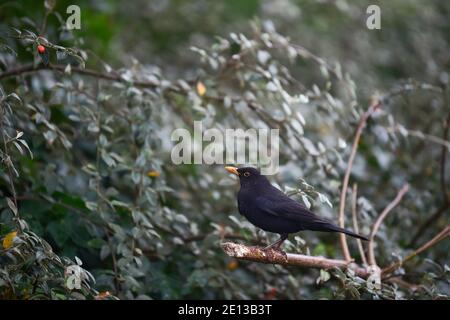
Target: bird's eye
x=246 y=174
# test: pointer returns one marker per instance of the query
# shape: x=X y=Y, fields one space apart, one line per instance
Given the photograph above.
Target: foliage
x=85 y=144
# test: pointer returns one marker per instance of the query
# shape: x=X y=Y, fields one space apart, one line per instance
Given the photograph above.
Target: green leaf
x=12 y=206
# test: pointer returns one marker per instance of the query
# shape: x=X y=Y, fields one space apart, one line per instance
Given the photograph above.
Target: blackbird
x=271 y=210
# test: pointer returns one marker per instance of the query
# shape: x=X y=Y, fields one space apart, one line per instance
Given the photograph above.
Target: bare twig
x=402 y=283
x=372 y=108
x=240 y=251
x=44 y=22
x=380 y=219
x=427 y=223
x=114 y=264
x=424 y=136
x=355 y=222
x=436 y=239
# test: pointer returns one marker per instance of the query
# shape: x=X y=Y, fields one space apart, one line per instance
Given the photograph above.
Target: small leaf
x=16 y=31
x=300 y=118
x=153 y=174
x=18 y=147
x=232 y=265
x=78 y=261
x=68 y=69
x=303 y=98
x=9 y=239
x=118 y=203
x=61 y=55
x=324 y=276
x=50 y=136
x=25 y=144
x=92 y=127
x=201 y=89
x=310 y=147
x=263 y=56
x=12 y=206
x=15 y=97
x=306 y=201
x=270 y=86
x=110 y=162
x=227 y=102
x=49 y=4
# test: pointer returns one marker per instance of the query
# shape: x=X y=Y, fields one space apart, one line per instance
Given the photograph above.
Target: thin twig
x=427 y=223
x=436 y=239
x=114 y=264
x=402 y=283
x=355 y=223
x=256 y=254
x=44 y=22
x=380 y=219
x=372 y=108
x=419 y=134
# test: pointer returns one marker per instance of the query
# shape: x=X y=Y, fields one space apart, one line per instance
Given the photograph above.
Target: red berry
x=41 y=48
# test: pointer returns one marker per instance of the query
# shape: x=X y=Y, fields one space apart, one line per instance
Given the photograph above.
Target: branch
x=380 y=219
x=256 y=254
x=436 y=239
x=30 y=68
x=372 y=108
x=402 y=283
x=419 y=134
x=427 y=223
x=355 y=223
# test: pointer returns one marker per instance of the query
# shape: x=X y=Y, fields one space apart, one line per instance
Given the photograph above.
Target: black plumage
x=271 y=210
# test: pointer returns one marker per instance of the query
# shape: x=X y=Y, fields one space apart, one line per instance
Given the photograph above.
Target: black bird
x=271 y=210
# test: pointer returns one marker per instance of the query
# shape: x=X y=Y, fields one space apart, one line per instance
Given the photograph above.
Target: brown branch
x=256 y=254
x=30 y=68
x=436 y=239
x=402 y=283
x=421 y=135
x=427 y=223
x=372 y=108
x=380 y=219
x=355 y=223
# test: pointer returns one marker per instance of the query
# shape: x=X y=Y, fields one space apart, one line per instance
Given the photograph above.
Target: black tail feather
x=348 y=232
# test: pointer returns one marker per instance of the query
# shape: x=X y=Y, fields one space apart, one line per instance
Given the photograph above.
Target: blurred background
x=87 y=179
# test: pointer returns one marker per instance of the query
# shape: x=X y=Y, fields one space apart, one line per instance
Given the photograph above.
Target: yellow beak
x=232 y=170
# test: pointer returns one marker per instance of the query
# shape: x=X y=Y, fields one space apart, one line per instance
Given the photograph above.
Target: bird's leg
x=277 y=244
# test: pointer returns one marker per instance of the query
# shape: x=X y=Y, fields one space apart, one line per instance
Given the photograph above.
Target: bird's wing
x=280 y=205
